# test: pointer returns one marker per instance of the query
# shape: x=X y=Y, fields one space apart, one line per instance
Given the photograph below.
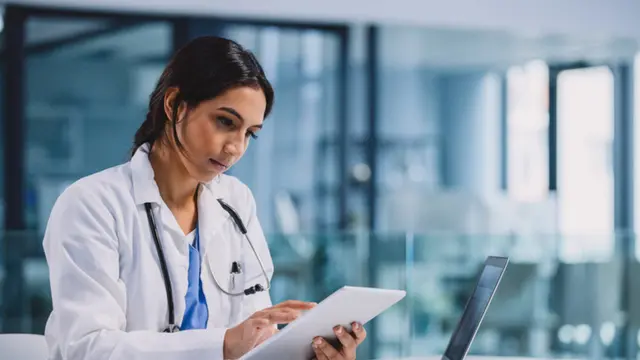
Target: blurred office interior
x=408 y=141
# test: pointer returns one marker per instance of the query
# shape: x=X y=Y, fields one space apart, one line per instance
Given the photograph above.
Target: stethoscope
x=235 y=266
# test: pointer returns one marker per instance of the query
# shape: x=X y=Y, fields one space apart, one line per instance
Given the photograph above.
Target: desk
x=471 y=357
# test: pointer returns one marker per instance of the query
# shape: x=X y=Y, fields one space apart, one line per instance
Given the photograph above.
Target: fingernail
x=338 y=330
x=356 y=326
x=318 y=341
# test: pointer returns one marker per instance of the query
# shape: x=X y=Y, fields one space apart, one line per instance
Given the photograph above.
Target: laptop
x=476 y=308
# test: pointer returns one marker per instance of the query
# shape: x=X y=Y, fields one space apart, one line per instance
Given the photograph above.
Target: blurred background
x=409 y=140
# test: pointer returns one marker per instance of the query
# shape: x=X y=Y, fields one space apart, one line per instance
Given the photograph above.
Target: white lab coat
x=109 y=299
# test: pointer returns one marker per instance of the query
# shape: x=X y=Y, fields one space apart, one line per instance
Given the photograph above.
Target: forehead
x=248 y=102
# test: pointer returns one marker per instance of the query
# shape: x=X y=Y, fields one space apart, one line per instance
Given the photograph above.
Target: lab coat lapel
x=214 y=241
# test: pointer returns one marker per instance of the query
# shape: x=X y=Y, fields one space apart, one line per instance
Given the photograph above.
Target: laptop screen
x=476 y=307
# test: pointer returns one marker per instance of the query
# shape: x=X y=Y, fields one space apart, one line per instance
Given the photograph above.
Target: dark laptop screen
x=475 y=309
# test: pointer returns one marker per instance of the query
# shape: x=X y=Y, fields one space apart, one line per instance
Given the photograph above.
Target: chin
x=209 y=178
x=211 y=175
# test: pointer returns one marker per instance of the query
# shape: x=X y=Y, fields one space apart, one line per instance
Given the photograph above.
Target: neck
x=177 y=188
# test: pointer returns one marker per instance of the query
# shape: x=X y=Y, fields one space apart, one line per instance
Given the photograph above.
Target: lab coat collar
x=211 y=216
x=145 y=189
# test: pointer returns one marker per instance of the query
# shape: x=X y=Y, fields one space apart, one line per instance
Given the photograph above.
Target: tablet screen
x=475 y=309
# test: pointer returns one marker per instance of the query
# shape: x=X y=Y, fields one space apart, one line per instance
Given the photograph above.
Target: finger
x=359 y=332
x=296 y=304
x=281 y=316
x=260 y=323
x=319 y=354
x=327 y=349
x=273 y=314
x=347 y=340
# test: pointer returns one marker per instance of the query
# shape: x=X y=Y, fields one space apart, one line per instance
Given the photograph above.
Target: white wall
x=587 y=17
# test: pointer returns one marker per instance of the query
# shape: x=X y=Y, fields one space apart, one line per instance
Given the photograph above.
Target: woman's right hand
x=260 y=326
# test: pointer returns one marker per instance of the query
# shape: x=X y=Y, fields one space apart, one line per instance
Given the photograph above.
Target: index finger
x=296 y=304
x=279 y=316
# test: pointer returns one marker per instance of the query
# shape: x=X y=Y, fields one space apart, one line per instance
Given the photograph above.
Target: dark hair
x=204 y=68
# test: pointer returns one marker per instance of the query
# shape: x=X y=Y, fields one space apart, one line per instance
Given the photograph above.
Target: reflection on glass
x=585 y=163
x=527 y=131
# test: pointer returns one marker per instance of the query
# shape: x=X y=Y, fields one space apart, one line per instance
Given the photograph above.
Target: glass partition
x=543 y=308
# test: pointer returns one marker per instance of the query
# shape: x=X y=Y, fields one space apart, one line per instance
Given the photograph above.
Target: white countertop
x=470 y=357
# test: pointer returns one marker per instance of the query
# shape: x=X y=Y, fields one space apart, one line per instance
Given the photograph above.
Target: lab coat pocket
x=236 y=285
x=225 y=308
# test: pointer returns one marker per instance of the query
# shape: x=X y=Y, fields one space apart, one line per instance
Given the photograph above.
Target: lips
x=219 y=166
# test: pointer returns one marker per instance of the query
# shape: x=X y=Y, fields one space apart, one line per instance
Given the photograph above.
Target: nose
x=234 y=147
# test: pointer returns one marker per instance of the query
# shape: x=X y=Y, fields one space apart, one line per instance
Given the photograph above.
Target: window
x=528 y=131
x=585 y=162
x=87 y=85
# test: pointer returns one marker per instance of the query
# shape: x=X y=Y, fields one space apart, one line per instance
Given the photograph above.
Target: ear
x=169 y=100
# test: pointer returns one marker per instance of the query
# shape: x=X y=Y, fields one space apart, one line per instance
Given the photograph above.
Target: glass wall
x=87 y=84
x=442 y=97
x=438 y=158
x=438 y=121
x=445 y=87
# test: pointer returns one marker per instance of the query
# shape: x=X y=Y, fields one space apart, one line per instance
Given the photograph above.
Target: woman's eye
x=225 y=121
x=252 y=134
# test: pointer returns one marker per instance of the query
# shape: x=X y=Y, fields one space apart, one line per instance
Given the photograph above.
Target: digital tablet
x=346 y=305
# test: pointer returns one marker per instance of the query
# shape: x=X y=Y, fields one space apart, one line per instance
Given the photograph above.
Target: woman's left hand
x=325 y=351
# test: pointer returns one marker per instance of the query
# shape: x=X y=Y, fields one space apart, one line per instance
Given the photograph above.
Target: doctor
x=163 y=257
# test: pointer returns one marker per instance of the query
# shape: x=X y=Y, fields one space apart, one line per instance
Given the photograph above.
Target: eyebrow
x=236 y=114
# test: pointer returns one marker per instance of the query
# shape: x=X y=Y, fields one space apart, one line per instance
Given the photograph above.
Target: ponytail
x=154 y=124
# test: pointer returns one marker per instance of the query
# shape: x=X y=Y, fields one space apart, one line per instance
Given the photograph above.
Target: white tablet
x=348 y=304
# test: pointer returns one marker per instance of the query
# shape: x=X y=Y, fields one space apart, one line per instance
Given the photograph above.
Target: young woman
x=163 y=257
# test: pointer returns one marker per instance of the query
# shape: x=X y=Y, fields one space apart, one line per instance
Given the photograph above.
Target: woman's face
x=217 y=132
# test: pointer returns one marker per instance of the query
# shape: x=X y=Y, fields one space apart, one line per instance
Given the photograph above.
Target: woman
x=140 y=250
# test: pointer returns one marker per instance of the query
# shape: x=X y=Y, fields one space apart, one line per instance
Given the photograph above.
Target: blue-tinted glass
x=85 y=97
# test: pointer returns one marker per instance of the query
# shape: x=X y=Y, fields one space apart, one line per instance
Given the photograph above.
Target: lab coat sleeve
x=260 y=300
x=89 y=299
